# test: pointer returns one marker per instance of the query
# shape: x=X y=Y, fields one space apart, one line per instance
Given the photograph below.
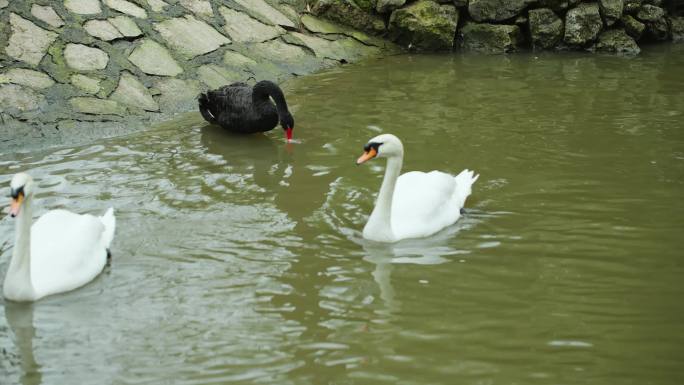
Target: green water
x=240 y=259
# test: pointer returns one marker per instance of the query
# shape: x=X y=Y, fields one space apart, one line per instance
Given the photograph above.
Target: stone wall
x=614 y=26
x=74 y=70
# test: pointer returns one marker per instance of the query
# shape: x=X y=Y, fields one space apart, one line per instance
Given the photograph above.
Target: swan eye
x=14 y=193
x=373 y=145
x=370 y=151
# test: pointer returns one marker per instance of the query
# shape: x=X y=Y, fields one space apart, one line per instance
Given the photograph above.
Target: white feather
x=68 y=250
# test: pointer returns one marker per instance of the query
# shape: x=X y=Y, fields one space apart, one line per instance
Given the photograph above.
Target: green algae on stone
x=126 y=26
x=496 y=10
x=355 y=50
x=96 y=106
x=83 y=58
x=16 y=99
x=556 y=5
x=126 y=7
x=650 y=13
x=290 y=12
x=633 y=27
x=321 y=26
x=244 y=29
x=119 y=52
x=200 y=8
x=28 y=42
x=75 y=132
x=47 y=15
x=177 y=94
x=582 y=24
x=152 y=58
x=25 y=77
x=611 y=10
x=677 y=25
x=83 y=7
x=425 y=25
x=657 y=26
x=55 y=64
x=235 y=59
x=86 y=83
x=345 y=49
x=318 y=25
x=546 y=28
x=215 y=76
x=658 y=30
x=157 y=5
x=133 y=93
x=189 y=36
x=366 y=5
x=616 y=41
x=387 y=6
x=490 y=38
x=102 y=29
x=264 y=11
x=322 y=48
x=348 y=13
x=631 y=7
x=277 y=57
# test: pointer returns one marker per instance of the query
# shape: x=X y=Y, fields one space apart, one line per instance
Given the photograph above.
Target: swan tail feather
x=205 y=107
x=109 y=222
x=464 y=182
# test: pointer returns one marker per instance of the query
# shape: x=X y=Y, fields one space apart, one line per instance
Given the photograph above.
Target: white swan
x=415 y=204
x=60 y=252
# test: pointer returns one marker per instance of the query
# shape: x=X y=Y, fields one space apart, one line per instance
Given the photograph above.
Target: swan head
x=21 y=188
x=384 y=146
x=287 y=122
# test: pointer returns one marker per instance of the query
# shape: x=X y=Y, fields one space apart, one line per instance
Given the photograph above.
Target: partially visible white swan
x=60 y=252
x=415 y=204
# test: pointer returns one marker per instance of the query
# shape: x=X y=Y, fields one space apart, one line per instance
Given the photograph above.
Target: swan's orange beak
x=15 y=205
x=288 y=134
x=367 y=155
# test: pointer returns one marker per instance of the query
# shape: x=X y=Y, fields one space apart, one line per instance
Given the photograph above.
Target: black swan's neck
x=265 y=89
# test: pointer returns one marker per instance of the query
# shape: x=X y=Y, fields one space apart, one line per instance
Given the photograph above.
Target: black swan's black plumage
x=239 y=107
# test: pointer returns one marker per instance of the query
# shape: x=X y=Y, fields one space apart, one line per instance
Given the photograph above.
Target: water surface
x=240 y=259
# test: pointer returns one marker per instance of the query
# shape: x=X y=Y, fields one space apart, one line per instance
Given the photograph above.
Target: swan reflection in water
x=257 y=154
x=20 y=320
x=274 y=167
x=434 y=250
x=343 y=215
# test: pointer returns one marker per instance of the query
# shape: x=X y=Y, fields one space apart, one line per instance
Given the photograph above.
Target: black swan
x=241 y=108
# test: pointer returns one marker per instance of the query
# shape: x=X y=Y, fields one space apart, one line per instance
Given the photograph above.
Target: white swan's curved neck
x=18 y=284
x=379 y=226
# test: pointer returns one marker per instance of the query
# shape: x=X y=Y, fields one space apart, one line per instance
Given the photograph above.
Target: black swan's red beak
x=288 y=134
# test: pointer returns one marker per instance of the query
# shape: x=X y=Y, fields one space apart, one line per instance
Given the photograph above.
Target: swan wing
x=422 y=204
x=233 y=108
x=234 y=98
x=425 y=203
x=68 y=250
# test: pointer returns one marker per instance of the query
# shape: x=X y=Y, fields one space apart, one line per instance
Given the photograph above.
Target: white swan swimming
x=60 y=252
x=415 y=204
